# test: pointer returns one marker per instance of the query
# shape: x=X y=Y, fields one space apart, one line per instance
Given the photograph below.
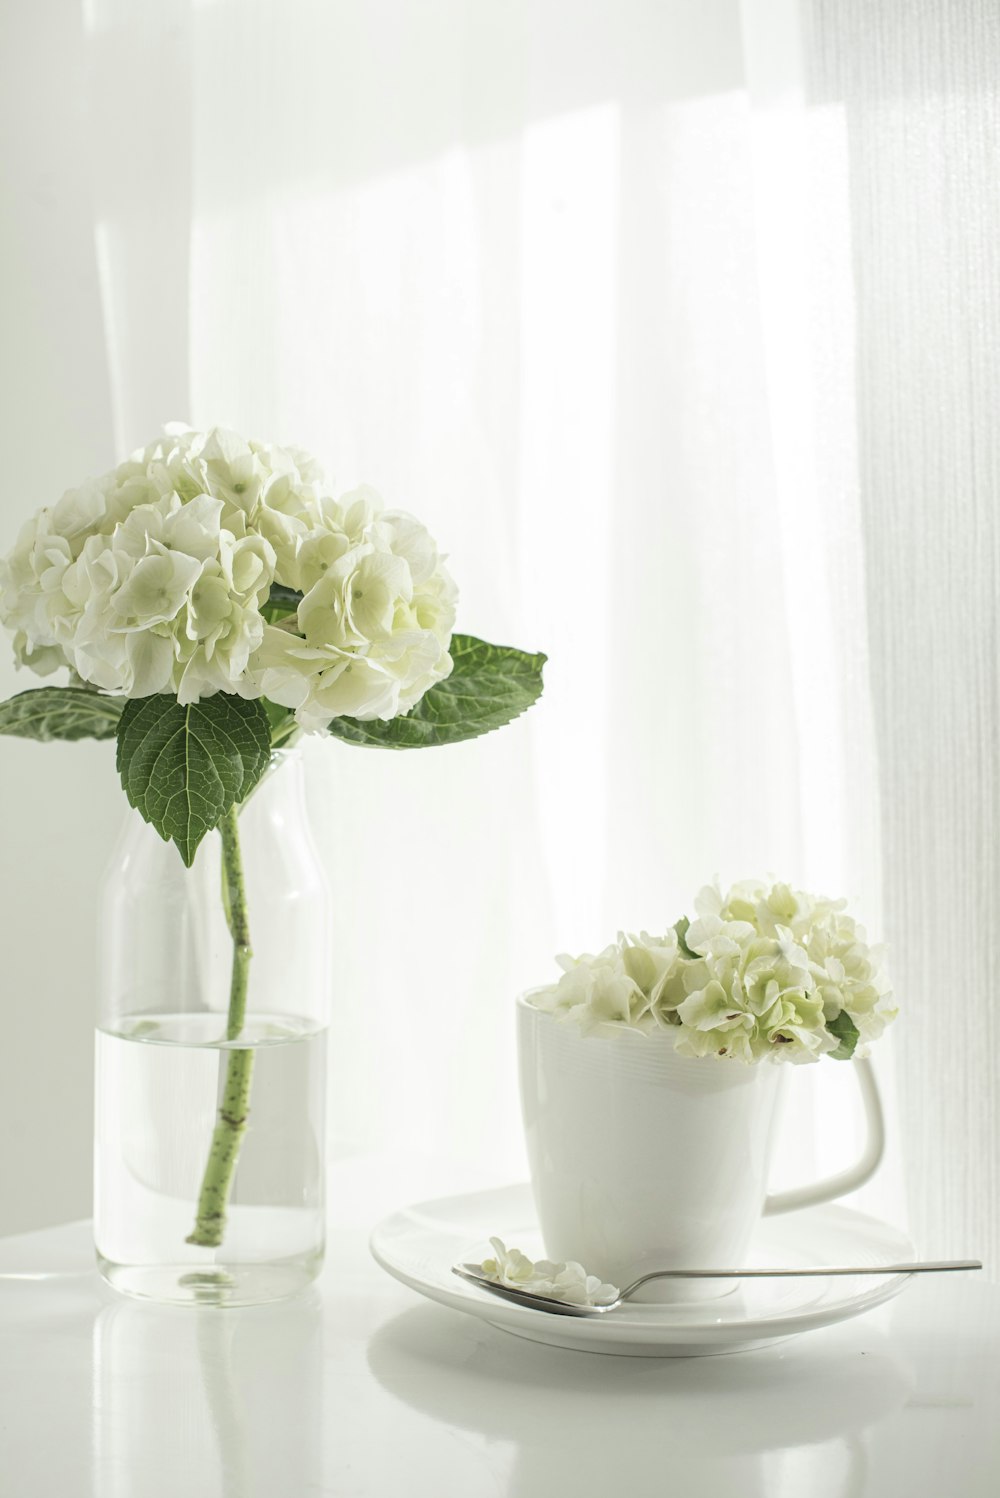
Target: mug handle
x=858 y=1174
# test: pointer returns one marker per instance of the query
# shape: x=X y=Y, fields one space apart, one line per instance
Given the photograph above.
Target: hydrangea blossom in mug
x=763 y=973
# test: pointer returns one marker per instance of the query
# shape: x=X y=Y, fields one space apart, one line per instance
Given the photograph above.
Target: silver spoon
x=474 y=1276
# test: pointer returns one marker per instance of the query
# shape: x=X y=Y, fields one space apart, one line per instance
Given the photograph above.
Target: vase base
x=223 y=1285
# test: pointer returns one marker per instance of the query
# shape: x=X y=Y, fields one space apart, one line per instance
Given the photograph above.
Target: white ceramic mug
x=643 y=1159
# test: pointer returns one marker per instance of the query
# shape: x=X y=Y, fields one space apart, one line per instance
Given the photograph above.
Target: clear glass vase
x=211 y=1057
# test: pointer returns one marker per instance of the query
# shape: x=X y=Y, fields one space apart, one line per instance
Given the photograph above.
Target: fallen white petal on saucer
x=569 y=1282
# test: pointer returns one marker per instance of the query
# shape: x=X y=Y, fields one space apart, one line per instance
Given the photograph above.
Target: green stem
x=234 y=1110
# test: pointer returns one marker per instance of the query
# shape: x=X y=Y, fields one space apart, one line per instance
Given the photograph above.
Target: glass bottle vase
x=211 y=1057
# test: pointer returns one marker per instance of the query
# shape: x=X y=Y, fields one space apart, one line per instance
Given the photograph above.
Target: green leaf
x=280 y=603
x=489 y=685
x=184 y=767
x=681 y=927
x=50 y=713
x=846 y=1031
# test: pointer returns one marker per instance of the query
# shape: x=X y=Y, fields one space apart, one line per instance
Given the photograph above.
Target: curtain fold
x=919 y=94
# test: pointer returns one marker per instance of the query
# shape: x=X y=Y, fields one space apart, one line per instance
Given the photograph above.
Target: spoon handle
x=924 y=1266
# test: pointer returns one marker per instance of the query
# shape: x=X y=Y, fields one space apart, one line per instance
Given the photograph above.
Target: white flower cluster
x=155 y=577
x=569 y=1282
x=763 y=972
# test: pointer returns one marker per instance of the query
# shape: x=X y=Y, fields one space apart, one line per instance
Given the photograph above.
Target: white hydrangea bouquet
x=211 y=602
x=764 y=972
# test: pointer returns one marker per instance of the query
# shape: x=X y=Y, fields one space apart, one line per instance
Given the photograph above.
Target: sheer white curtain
x=628 y=302
x=510 y=272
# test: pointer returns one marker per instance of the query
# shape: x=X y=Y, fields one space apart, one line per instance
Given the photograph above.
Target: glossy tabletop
x=363 y=1390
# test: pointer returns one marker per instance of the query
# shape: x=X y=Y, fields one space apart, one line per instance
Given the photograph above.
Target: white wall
x=91 y=361
x=60 y=805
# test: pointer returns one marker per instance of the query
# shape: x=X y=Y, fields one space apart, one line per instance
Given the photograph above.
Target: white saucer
x=419 y=1244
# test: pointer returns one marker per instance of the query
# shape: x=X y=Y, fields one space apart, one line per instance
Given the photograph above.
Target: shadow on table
x=592 y=1424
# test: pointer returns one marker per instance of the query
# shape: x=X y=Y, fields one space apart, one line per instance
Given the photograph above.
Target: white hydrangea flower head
x=850 y=975
x=654 y=965
x=757 y=1001
x=156 y=577
x=371 y=634
x=32 y=600
x=764 y=972
x=595 y=990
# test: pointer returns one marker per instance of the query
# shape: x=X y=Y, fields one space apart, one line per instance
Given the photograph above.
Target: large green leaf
x=488 y=686
x=846 y=1031
x=61 y=713
x=184 y=767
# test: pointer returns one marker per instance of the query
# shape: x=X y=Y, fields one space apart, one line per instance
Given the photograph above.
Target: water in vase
x=161 y=1083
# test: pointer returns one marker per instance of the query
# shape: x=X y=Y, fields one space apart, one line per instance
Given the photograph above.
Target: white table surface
x=363 y=1390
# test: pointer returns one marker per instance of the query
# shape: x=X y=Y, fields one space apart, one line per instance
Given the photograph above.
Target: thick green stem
x=234 y=1110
